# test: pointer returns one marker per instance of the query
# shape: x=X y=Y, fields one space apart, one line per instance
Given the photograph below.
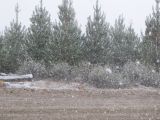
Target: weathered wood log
x=16 y=78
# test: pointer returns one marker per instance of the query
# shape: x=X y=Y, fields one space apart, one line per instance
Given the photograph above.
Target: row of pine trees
x=63 y=40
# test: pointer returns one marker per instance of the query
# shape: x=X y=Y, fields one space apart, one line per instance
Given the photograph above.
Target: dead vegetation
x=2 y=83
x=85 y=103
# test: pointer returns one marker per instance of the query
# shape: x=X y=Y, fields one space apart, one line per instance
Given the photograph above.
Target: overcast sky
x=134 y=11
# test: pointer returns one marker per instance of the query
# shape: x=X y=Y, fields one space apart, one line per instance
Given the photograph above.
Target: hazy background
x=134 y=11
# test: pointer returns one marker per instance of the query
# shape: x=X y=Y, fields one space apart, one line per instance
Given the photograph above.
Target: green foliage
x=1 y=43
x=125 y=43
x=151 y=40
x=1 y=52
x=39 y=35
x=97 y=44
x=58 y=51
x=66 y=44
x=13 y=47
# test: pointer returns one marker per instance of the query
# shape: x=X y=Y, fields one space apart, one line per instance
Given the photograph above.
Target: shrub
x=82 y=71
x=137 y=73
x=151 y=79
x=60 y=71
x=100 y=78
x=134 y=72
x=31 y=67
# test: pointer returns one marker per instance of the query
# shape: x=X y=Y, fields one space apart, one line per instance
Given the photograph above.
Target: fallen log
x=16 y=78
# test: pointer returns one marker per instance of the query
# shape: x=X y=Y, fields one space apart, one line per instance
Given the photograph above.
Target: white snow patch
x=13 y=77
x=137 y=62
x=3 y=74
x=153 y=71
x=43 y=85
x=19 y=85
x=117 y=67
x=108 y=70
x=120 y=83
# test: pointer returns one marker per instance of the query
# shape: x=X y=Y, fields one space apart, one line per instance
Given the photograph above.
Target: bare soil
x=81 y=104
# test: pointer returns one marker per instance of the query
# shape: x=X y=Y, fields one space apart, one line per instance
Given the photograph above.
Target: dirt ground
x=81 y=104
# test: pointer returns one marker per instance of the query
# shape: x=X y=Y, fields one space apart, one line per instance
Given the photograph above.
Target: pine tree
x=1 y=41
x=124 y=43
x=97 y=38
x=1 y=52
x=151 y=39
x=14 y=44
x=67 y=35
x=39 y=35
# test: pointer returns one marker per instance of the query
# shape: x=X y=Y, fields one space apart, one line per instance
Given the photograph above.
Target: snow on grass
x=18 y=84
x=16 y=77
x=43 y=85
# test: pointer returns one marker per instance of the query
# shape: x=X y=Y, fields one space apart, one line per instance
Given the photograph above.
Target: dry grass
x=2 y=83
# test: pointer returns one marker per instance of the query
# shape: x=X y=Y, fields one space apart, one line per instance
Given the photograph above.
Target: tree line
x=63 y=40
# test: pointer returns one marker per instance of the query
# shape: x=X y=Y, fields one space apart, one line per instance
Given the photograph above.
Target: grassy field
x=82 y=104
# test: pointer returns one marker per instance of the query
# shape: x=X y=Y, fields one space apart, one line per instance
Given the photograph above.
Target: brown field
x=82 y=104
